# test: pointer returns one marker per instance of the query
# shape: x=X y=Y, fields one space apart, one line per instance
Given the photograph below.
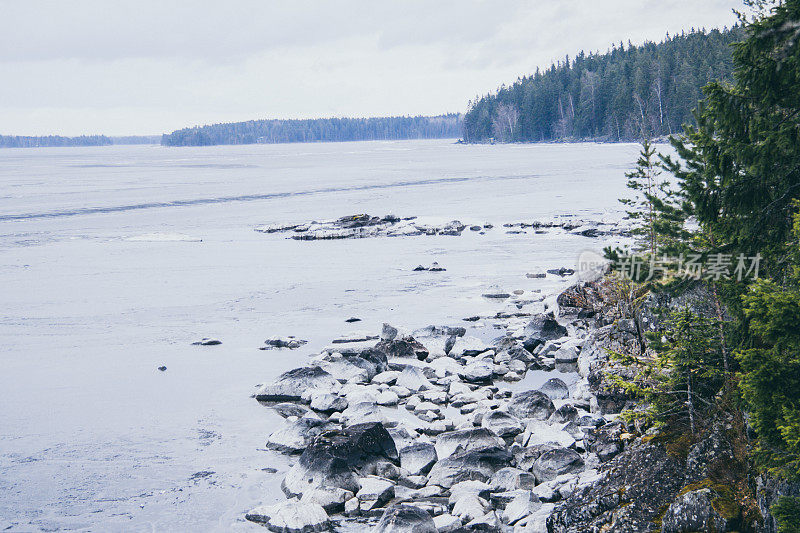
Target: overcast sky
x=152 y=66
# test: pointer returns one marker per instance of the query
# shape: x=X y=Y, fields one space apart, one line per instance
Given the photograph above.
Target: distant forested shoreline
x=319 y=130
x=45 y=141
x=625 y=94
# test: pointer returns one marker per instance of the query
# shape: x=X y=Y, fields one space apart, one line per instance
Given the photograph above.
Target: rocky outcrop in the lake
x=362 y=226
x=432 y=430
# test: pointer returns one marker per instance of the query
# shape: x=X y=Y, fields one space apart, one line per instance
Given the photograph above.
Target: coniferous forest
x=318 y=130
x=15 y=141
x=625 y=94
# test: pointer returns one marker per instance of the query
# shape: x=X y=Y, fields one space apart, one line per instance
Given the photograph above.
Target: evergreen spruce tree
x=741 y=162
x=643 y=182
x=770 y=379
x=681 y=381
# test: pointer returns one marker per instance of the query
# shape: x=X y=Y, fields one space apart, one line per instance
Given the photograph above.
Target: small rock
x=287 y=409
x=469 y=465
x=356 y=337
x=387 y=397
x=413 y=379
x=388 y=377
x=388 y=333
x=496 y=295
x=563 y=271
x=352 y=507
x=501 y=424
x=693 y=511
x=554 y=463
x=375 y=492
x=405 y=519
x=555 y=389
x=418 y=458
x=479 y=371
x=446 y=523
x=283 y=342
x=469 y=507
x=327 y=403
x=353 y=319
x=540 y=329
x=531 y=404
x=295 y=436
x=508 y=479
x=466 y=439
x=488 y=522
x=520 y=507
x=291 y=385
x=207 y=341
x=332 y=499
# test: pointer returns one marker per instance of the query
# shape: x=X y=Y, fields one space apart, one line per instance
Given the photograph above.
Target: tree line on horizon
x=625 y=94
x=50 y=141
x=318 y=130
x=17 y=141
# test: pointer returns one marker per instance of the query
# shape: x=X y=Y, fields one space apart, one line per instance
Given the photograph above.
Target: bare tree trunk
x=641 y=111
x=690 y=402
x=658 y=91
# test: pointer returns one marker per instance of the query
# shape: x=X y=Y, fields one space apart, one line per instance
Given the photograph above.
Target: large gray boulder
x=331 y=499
x=501 y=424
x=405 y=519
x=295 y=436
x=478 y=465
x=531 y=404
x=554 y=463
x=291 y=385
x=335 y=458
x=325 y=402
x=521 y=506
x=509 y=478
x=352 y=369
x=466 y=439
x=478 y=371
x=469 y=507
x=418 y=458
x=291 y=517
x=693 y=511
x=555 y=388
x=374 y=492
x=542 y=328
x=413 y=378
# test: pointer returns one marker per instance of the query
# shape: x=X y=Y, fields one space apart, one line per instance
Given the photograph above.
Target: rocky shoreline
x=419 y=431
x=435 y=430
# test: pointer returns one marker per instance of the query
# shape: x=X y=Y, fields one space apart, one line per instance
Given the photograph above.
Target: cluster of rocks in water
x=417 y=431
x=363 y=225
x=431 y=431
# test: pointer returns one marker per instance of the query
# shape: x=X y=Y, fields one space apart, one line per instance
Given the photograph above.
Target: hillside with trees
x=624 y=94
x=318 y=130
x=717 y=301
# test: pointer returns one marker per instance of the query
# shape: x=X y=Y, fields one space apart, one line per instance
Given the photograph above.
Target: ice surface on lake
x=115 y=259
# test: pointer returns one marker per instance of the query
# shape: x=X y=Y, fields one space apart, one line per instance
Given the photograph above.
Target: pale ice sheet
x=95 y=437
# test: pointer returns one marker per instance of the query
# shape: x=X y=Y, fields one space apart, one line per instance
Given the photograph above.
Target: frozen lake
x=114 y=260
